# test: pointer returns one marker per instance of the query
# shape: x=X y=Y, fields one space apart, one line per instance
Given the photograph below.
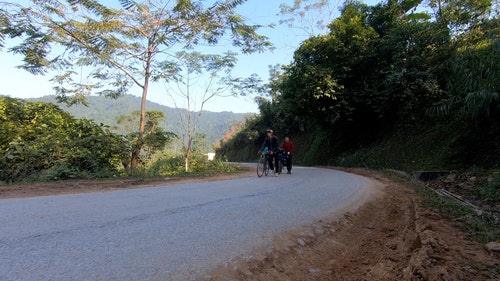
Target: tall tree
x=199 y=79
x=318 y=82
x=98 y=49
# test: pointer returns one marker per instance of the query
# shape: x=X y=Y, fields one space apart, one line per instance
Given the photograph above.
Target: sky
x=19 y=83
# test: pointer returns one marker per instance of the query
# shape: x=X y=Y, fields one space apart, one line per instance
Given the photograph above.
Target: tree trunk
x=187 y=154
x=136 y=149
x=186 y=163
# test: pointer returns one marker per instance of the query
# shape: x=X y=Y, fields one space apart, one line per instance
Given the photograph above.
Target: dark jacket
x=271 y=143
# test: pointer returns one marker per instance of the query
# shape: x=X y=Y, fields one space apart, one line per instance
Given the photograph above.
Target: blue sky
x=21 y=84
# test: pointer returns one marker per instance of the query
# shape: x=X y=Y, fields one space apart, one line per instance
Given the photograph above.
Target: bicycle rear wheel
x=261 y=166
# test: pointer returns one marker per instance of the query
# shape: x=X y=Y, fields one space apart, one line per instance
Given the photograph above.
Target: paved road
x=175 y=232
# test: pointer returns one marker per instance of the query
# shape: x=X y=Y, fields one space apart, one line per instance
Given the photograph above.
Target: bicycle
x=281 y=159
x=262 y=165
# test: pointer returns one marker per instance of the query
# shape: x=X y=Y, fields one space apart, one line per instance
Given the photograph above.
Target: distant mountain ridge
x=106 y=110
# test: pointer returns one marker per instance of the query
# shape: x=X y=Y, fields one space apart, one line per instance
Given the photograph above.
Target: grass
x=163 y=167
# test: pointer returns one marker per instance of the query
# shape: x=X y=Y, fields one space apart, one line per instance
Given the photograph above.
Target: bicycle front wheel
x=261 y=166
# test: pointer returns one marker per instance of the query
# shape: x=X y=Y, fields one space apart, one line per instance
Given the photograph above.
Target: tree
x=461 y=15
x=121 y=48
x=379 y=67
x=200 y=78
x=5 y=21
x=155 y=138
x=310 y=16
x=473 y=83
x=318 y=82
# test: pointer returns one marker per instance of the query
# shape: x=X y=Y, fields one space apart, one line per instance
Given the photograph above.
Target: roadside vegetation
x=41 y=142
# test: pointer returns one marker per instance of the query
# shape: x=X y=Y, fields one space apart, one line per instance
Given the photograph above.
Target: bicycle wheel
x=261 y=163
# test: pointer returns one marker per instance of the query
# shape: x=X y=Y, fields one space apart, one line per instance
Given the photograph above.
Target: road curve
x=175 y=232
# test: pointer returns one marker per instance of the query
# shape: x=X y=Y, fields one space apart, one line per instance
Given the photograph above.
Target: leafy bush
x=173 y=165
x=39 y=140
x=166 y=165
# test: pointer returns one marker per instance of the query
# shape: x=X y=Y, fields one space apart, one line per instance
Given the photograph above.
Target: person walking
x=271 y=142
x=287 y=145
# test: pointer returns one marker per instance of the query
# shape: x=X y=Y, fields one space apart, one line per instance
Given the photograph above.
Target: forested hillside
x=106 y=110
x=406 y=85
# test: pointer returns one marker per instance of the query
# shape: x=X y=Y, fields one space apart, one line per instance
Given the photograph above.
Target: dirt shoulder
x=100 y=185
x=389 y=237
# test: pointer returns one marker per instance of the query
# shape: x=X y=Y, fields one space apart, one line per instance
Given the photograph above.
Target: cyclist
x=287 y=145
x=271 y=143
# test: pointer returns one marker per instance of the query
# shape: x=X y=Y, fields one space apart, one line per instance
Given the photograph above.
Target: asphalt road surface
x=176 y=232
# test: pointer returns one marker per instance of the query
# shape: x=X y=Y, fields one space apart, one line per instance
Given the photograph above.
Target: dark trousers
x=288 y=162
x=271 y=158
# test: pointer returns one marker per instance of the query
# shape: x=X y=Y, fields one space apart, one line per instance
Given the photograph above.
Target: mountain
x=105 y=110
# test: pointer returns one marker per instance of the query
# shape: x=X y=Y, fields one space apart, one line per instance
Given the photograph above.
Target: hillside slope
x=105 y=110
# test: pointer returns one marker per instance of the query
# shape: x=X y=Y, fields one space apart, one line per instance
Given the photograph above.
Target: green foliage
x=317 y=150
x=406 y=151
x=317 y=83
x=39 y=138
x=166 y=165
x=154 y=137
x=360 y=95
x=173 y=165
x=489 y=192
x=460 y=15
x=480 y=185
x=474 y=83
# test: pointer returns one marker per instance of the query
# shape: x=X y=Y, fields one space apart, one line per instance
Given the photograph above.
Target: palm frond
x=481 y=104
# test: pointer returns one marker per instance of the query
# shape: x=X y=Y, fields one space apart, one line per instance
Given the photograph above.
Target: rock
x=314 y=270
x=493 y=246
x=451 y=178
x=301 y=242
x=310 y=234
x=429 y=175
